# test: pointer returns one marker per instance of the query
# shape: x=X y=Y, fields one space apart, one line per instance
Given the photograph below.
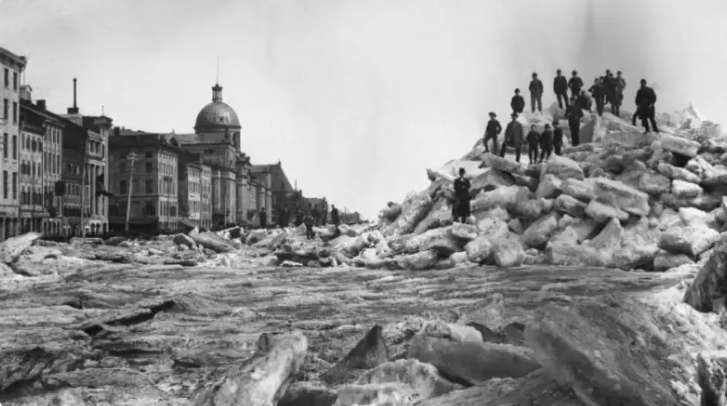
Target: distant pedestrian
x=517 y=102
x=574 y=123
x=645 y=104
x=316 y=214
x=461 y=206
x=263 y=218
x=309 y=223
x=514 y=135
x=334 y=216
x=493 y=130
x=575 y=84
x=609 y=88
x=557 y=137
x=324 y=214
x=536 y=93
x=620 y=85
x=533 y=139
x=546 y=143
x=560 y=87
x=599 y=94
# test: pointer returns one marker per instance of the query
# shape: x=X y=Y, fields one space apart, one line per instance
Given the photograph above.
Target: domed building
x=239 y=193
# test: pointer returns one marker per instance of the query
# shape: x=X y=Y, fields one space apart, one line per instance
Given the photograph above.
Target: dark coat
x=645 y=97
x=514 y=133
x=493 y=127
x=536 y=87
x=557 y=136
x=575 y=84
x=462 y=189
x=533 y=137
x=574 y=114
x=334 y=216
x=546 y=139
x=560 y=84
x=597 y=91
x=517 y=103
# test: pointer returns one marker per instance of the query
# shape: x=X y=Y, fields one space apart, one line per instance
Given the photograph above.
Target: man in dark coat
x=517 y=102
x=263 y=218
x=557 y=137
x=620 y=85
x=560 y=87
x=493 y=130
x=645 y=100
x=574 y=123
x=575 y=84
x=609 y=88
x=334 y=216
x=309 y=223
x=599 y=94
x=536 y=93
x=514 y=135
x=546 y=143
x=533 y=139
x=461 y=207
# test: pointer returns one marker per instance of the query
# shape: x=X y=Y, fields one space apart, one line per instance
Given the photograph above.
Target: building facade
x=11 y=67
x=150 y=181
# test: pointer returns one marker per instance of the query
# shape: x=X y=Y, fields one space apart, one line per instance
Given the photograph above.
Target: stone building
x=41 y=160
x=11 y=67
x=154 y=187
x=195 y=192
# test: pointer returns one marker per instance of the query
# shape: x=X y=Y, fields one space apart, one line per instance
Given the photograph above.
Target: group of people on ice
x=606 y=89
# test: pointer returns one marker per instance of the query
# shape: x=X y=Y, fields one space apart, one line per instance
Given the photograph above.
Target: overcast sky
x=357 y=98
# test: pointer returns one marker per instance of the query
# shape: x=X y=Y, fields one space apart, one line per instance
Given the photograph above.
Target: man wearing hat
x=620 y=85
x=514 y=136
x=492 y=131
x=536 y=93
x=575 y=84
x=560 y=87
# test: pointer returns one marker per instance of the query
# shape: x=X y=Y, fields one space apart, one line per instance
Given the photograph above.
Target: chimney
x=41 y=104
x=74 y=109
x=117 y=131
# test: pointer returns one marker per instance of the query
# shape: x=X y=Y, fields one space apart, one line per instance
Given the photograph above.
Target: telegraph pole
x=131 y=157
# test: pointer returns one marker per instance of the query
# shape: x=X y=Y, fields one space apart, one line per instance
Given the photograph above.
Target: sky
x=357 y=98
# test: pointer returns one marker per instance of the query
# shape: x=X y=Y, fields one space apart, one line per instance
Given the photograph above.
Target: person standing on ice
x=536 y=93
x=557 y=137
x=609 y=87
x=645 y=101
x=620 y=85
x=598 y=93
x=517 y=102
x=514 y=135
x=546 y=143
x=263 y=218
x=334 y=216
x=309 y=222
x=461 y=207
x=575 y=84
x=574 y=123
x=533 y=139
x=560 y=87
x=491 y=132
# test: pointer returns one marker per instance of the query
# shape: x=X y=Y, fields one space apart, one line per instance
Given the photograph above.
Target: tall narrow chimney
x=74 y=109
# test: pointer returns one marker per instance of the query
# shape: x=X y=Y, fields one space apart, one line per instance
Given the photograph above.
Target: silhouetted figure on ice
x=309 y=223
x=514 y=135
x=575 y=84
x=491 y=132
x=557 y=137
x=533 y=139
x=335 y=219
x=517 y=102
x=461 y=206
x=536 y=93
x=619 y=86
x=574 y=123
x=645 y=101
x=263 y=218
x=599 y=94
x=609 y=88
x=560 y=87
x=546 y=143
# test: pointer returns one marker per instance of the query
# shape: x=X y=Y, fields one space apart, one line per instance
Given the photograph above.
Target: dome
x=216 y=116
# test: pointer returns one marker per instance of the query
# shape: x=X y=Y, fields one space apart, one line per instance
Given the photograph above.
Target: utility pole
x=131 y=157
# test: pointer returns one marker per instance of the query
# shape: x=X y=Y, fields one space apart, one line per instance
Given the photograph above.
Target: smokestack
x=74 y=109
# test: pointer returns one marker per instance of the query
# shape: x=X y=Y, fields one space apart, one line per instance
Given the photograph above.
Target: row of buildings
x=69 y=174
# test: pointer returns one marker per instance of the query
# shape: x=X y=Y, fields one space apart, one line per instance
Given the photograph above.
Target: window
x=5 y=184
x=7 y=77
x=6 y=109
x=149 y=186
x=149 y=209
x=15 y=112
x=32 y=145
x=122 y=166
x=15 y=81
x=173 y=211
x=15 y=185
x=122 y=187
x=15 y=147
x=149 y=167
x=5 y=145
x=147 y=154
